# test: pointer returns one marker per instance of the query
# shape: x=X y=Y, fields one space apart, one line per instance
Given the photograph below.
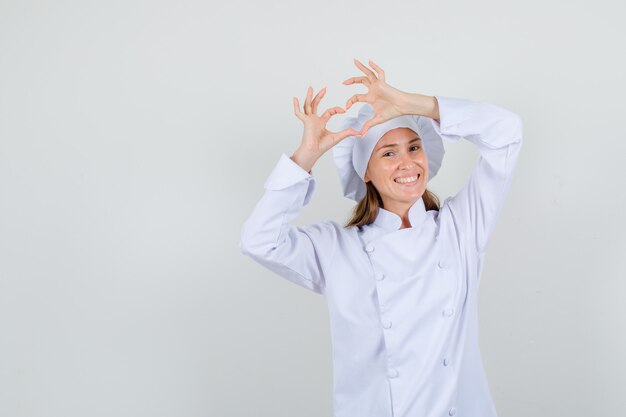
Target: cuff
x=452 y=113
x=287 y=173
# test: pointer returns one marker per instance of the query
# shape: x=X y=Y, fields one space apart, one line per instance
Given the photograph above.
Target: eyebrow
x=395 y=144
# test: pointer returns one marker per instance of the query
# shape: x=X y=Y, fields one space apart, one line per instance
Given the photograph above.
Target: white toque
x=352 y=154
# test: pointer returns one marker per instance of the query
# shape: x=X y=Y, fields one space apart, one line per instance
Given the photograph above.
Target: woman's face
x=398 y=167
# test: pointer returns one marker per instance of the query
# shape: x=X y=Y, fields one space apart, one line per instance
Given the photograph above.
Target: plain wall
x=135 y=137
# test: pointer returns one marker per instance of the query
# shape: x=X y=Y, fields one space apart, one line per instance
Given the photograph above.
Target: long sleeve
x=497 y=134
x=295 y=253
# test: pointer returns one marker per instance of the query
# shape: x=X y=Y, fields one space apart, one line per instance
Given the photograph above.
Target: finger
x=379 y=70
x=331 y=112
x=370 y=74
x=296 y=109
x=371 y=122
x=355 y=80
x=317 y=99
x=307 y=101
x=354 y=99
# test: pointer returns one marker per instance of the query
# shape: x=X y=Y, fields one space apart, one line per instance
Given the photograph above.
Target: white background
x=135 y=137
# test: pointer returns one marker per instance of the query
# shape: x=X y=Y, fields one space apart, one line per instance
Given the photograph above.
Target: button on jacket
x=402 y=302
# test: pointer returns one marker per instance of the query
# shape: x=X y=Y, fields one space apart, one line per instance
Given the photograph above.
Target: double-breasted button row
x=379 y=277
x=387 y=324
x=446 y=361
x=393 y=373
x=452 y=411
x=442 y=263
x=447 y=312
x=369 y=248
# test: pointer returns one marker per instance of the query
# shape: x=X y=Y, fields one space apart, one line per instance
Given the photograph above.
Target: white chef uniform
x=401 y=302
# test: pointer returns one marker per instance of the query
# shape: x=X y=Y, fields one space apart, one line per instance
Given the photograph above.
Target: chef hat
x=352 y=154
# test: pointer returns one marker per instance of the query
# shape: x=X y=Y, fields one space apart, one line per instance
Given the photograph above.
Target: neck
x=405 y=223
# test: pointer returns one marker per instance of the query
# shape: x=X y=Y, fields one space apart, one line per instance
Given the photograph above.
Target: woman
x=401 y=279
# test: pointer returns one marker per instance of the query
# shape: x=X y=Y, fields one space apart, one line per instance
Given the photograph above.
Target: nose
x=406 y=162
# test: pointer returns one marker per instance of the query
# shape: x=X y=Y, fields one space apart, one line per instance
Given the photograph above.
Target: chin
x=414 y=195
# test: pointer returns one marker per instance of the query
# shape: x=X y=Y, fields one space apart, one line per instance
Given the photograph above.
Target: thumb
x=345 y=133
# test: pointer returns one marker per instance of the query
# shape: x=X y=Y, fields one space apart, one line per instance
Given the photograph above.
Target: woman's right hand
x=316 y=139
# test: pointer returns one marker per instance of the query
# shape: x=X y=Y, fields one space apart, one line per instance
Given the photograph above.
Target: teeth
x=406 y=179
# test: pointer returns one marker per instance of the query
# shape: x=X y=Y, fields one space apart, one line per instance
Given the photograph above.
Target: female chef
x=401 y=278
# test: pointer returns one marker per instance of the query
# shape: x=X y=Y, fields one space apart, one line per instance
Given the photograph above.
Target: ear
x=366 y=177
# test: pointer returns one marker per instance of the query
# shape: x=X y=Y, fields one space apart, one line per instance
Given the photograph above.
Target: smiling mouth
x=408 y=180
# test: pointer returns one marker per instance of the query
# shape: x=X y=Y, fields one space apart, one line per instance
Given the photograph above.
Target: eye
x=416 y=147
x=387 y=153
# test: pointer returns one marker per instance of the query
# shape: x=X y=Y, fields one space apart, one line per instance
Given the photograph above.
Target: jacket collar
x=390 y=221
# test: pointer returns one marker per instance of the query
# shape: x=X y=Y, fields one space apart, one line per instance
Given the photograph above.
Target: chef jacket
x=402 y=302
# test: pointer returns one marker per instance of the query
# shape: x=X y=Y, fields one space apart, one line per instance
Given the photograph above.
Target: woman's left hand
x=385 y=100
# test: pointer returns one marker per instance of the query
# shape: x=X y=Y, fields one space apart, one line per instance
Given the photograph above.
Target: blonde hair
x=366 y=210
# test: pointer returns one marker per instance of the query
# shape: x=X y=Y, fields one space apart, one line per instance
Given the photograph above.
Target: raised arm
x=497 y=134
x=298 y=254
